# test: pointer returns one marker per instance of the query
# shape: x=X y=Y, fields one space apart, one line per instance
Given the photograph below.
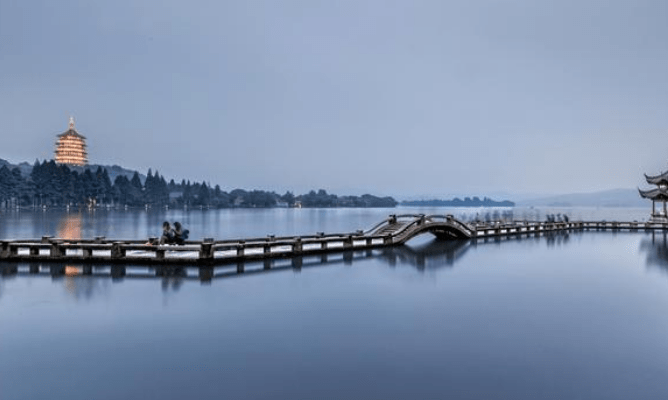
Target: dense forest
x=54 y=185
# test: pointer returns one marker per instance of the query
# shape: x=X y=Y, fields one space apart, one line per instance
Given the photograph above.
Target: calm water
x=572 y=316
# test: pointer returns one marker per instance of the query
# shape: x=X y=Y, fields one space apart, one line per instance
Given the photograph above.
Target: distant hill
x=457 y=202
x=606 y=198
x=24 y=167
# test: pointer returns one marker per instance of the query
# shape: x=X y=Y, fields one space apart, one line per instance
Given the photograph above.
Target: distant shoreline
x=457 y=202
x=61 y=186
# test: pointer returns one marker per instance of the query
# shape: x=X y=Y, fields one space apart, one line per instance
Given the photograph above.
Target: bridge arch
x=403 y=228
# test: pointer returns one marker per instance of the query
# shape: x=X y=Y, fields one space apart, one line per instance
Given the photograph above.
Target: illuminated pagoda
x=658 y=194
x=71 y=147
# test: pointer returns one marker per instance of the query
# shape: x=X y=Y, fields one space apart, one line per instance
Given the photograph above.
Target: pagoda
x=660 y=194
x=71 y=147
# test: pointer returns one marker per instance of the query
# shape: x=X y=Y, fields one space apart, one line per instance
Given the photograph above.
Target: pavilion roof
x=655 y=180
x=654 y=194
x=72 y=132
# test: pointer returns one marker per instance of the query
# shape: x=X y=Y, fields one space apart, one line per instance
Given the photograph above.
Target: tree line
x=457 y=202
x=56 y=185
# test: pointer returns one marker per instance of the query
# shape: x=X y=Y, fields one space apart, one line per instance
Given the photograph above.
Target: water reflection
x=69 y=227
x=655 y=247
x=431 y=255
x=82 y=281
x=83 y=288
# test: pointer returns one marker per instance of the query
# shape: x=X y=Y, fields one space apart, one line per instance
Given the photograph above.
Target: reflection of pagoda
x=71 y=147
x=660 y=193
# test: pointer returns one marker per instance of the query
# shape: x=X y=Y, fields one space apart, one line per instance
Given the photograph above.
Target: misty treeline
x=51 y=184
x=457 y=202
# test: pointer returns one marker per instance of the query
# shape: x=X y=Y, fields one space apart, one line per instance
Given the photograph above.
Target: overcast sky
x=404 y=98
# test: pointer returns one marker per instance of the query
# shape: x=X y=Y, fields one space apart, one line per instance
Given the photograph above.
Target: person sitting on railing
x=167 y=234
x=180 y=234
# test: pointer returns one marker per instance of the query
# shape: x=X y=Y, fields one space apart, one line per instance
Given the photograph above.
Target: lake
x=578 y=315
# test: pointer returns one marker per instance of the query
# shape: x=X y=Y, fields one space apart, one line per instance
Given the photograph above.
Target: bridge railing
x=207 y=250
x=453 y=221
x=271 y=246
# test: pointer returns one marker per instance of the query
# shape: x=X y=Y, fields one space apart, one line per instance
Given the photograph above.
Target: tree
x=289 y=198
x=203 y=195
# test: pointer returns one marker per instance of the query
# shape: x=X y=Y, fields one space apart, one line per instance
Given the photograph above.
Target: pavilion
x=658 y=194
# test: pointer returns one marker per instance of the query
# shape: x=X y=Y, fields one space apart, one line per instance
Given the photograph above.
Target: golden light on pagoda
x=71 y=147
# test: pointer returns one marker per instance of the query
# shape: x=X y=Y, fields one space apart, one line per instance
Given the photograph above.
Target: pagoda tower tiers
x=658 y=194
x=71 y=147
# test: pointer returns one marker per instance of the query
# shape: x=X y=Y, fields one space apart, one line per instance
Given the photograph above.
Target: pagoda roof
x=655 y=180
x=72 y=132
x=654 y=194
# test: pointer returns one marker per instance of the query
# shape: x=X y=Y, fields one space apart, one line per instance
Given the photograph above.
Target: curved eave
x=654 y=194
x=72 y=132
x=658 y=179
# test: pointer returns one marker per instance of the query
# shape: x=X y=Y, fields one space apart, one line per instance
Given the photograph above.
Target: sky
x=404 y=98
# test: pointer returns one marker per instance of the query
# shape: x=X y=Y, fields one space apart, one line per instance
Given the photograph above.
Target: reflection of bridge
x=427 y=256
x=656 y=249
x=434 y=254
x=393 y=231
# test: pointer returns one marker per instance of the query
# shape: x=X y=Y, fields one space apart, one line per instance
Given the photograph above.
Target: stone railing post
x=117 y=250
x=297 y=246
x=4 y=249
x=56 y=250
x=34 y=251
x=87 y=252
x=348 y=243
x=206 y=249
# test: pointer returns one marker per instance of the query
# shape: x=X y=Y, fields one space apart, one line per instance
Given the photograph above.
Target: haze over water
x=577 y=315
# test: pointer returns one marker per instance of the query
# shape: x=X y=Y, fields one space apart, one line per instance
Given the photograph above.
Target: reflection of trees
x=656 y=249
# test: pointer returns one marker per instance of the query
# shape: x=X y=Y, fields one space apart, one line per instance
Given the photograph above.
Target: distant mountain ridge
x=605 y=198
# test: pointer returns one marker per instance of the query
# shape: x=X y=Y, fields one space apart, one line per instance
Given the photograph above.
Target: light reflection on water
x=570 y=315
x=239 y=223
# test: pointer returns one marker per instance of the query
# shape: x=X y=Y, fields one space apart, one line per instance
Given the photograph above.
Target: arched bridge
x=403 y=228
